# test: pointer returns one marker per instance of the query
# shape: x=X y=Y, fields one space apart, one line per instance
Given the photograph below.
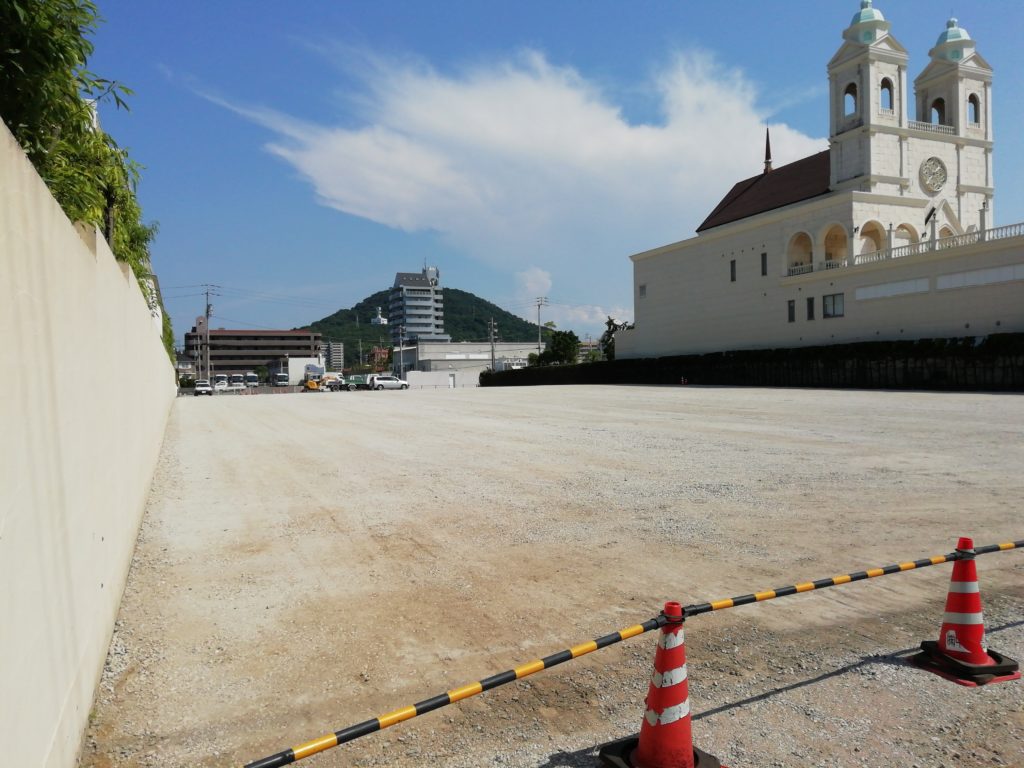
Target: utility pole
x=492 y=327
x=401 y=350
x=541 y=301
x=209 y=309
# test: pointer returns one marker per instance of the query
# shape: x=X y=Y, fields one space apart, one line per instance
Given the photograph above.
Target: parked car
x=389 y=382
x=202 y=388
x=220 y=386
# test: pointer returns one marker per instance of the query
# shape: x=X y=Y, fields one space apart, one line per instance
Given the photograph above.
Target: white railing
x=887 y=112
x=912 y=249
x=933 y=127
x=999 y=233
x=870 y=257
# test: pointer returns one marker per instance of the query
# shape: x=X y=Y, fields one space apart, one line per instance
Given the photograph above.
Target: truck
x=356 y=381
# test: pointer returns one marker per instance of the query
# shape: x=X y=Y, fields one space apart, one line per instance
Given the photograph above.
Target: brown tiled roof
x=786 y=185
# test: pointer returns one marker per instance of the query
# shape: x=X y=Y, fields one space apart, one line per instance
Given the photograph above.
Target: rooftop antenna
x=767 y=149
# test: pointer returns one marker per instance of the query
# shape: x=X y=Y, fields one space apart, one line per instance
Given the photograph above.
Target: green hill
x=465 y=319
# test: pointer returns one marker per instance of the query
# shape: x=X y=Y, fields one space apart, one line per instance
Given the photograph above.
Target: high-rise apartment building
x=416 y=307
x=334 y=355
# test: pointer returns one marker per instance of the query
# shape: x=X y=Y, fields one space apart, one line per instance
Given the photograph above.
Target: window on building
x=643 y=291
x=791 y=310
x=832 y=305
x=885 y=97
x=764 y=264
x=810 y=307
x=973 y=110
x=937 y=115
x=850 y=100
x=732 y=271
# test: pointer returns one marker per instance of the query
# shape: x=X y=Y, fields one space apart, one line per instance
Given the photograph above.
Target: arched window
x=850 y=100
x=937 y=116
x=885 y=99
x=872 y=237
x=836 y=245
x=799 y=254
x=904 y=235
x=973 y=110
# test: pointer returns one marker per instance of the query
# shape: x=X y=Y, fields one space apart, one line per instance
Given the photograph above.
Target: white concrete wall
x=86 y=392
x=442 y=379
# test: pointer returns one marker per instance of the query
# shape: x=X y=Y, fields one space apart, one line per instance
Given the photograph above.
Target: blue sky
x=299 y=154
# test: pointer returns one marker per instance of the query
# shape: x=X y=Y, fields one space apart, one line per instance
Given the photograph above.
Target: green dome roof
x=866 y=13
x=953 y=33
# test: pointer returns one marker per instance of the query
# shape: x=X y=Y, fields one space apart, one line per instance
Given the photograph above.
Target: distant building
x=416 y=307
x=587 y=348
x=334 y=355
x=237 y=351
x=378 y=320
x=465 y=357
x=184 y=366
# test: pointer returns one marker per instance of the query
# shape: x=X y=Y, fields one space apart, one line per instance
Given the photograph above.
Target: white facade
x=894 y=226
x=464 y=357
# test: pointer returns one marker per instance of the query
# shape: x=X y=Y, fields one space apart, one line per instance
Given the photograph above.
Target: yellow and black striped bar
x=367 y=727
x=450 y=697
x=846 y=578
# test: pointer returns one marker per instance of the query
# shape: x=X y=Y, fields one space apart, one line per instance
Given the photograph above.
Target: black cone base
x=932 y=659
x=616 y=754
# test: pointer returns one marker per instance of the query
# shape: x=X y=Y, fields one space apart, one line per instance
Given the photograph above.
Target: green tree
x=48 y=100
x=563 y=349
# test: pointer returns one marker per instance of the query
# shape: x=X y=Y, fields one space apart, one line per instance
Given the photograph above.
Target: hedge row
x=988 y=363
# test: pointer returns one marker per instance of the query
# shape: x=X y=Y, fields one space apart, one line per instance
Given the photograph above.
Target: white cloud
x=524 y=163
x=533 y=282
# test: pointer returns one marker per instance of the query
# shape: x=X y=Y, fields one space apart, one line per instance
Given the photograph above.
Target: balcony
x=911 y=249
x=947 y=130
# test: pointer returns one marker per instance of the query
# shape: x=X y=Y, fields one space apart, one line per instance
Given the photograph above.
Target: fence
x=990 y=363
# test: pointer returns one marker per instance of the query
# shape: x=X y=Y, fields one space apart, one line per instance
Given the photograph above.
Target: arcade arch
x=800 y=252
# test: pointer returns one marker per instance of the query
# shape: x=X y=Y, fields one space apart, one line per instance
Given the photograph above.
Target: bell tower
x=867 y=105
x=953 y=96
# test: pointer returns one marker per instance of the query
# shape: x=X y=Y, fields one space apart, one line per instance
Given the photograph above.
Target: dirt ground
x=310 y=561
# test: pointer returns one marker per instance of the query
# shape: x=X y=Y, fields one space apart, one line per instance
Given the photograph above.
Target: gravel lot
x=309 y=561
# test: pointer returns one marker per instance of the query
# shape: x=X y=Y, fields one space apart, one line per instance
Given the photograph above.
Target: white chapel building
x=885 y=235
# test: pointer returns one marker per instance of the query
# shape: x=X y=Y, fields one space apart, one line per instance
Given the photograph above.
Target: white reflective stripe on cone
x=670 y=640
x=666 y=679
x=963 y=587
x=963 y=618
x=669 y=715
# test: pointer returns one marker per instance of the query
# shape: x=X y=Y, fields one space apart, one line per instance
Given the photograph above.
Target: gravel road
x=309 y=561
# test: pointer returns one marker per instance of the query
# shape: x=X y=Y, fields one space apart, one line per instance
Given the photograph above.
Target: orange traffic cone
x=665 y=739
x=960 y=654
